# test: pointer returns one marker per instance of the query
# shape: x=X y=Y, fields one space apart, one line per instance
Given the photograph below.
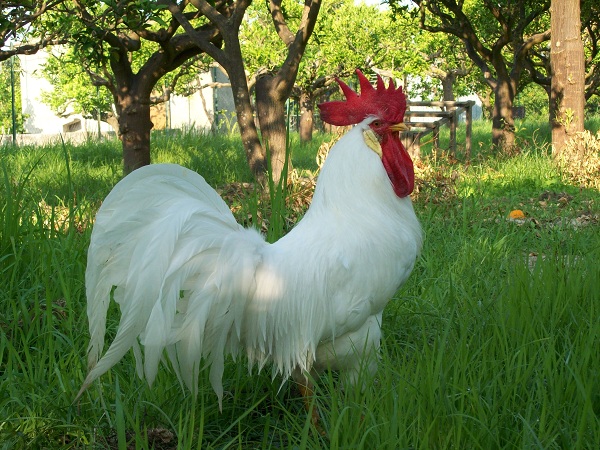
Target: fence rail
x=448 y=114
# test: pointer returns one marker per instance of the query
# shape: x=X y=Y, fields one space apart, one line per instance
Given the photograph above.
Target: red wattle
x=398 y=165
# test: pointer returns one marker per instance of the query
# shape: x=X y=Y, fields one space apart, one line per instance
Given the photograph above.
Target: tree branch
x=280 y=23
x=289 y=69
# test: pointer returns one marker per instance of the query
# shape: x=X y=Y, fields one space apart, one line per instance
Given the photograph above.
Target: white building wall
x=195 y=111
x=41 y=118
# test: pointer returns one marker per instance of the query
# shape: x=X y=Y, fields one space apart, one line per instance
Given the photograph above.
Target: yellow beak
x=399 y=127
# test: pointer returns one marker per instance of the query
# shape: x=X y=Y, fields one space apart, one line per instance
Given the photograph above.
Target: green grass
x=483 y=348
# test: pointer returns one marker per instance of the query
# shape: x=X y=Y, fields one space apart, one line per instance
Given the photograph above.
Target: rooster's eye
x=376 y=123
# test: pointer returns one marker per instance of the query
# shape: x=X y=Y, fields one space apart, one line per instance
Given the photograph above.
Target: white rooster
x=192 y=281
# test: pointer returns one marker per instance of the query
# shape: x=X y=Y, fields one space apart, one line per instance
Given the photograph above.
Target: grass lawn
x=494 y=341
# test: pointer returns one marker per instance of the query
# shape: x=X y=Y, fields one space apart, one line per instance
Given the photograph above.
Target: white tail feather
x=173 y=256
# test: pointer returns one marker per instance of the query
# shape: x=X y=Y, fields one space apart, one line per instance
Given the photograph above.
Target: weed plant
x=492 y=342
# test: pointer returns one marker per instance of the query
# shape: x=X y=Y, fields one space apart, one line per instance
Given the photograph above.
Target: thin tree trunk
x=567 y=97
x=255 y=153
x=503 y=124
x=306 y=116
x=448 y=86
x=228 y=20
x=270 y=108
x=134 y=130
x=272 y=90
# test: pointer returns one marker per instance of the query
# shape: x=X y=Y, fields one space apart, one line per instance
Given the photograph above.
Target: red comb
x=386 y=103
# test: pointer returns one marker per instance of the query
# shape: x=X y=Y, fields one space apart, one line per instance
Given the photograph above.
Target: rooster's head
x=382 y=110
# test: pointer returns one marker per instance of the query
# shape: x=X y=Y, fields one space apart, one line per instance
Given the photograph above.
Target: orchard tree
x=107 y=35
x=539 y=68
x=568 y=72
x=590 y=26
x=446 y=61
x=499 y=37
x=21 y=33
x=23 y=30
x=352 y=36
x=227 y=22
x=434 y=65
x=349 y=36
x=74 y=93
x=346 y=37
x=272 y=87
x=72 y=90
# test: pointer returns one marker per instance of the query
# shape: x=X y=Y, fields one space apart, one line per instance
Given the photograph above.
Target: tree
x=590 y=26
x=74 y=93
x=435 y=65
x=72 y=90
x=22 y=32
x=568 y=72
x=540 y=70
x=499 y=38
x=272 y=88
x=107 y=35
x=227 y=22
x=346 y=37
x=446 y=61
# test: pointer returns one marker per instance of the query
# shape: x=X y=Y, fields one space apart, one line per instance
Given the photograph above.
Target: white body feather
x=191 y=281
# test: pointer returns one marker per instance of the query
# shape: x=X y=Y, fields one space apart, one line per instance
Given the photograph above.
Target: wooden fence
x=448 y=113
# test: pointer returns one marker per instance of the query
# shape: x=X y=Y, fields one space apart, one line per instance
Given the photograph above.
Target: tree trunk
x=270 y=108
x=306 y=116
x=486 y=104
x=503 y=124
x=113 y=121
x=272 y=90
x=255 y=154
x=567 y=97
x=448 y=86
x=134 y=129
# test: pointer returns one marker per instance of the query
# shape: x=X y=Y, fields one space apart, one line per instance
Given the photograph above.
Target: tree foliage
x=73 y=91
x=436 y=64
x=351 y=35
x=23 y=29
x=346 y=37
x=127 y=47
x=499 y=37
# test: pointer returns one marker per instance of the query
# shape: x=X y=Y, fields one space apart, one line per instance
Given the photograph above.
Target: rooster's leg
x=306 y=388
